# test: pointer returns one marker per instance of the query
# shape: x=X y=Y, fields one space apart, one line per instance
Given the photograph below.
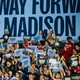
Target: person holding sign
x=40 y=37
x=57 y=75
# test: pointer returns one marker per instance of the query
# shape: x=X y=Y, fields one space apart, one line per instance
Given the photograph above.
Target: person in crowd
x=57 y=75
x=10 y=74
x=47 y=45
x=31 y=77
x=67 y=49
x=8 y=66
x=1 y=74
x=39 y=46
x=1 y=54
x=52 y=42
x=76 y=68
x=33 y=72
x=42 y=77
x=28 y=43
x=40 y=37
x=44 y=70
x=51 y=34
x=58 y=55
x=58 y=40
x=77 y=47
x=6 y=76
x=75 y=53
x=6 y=36
x=12 y=68
x=68 y=74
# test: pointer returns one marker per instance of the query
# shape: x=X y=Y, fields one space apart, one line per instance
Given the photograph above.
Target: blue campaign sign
x=12 y=40
x=51 y=60
x=51 y=53
x=42 y=59
x=26 y=38
x=75 y=61
x=28 y=17
x=29 y=50
x=25 y=61
x=34 y=48
x=18 y=52
x=23 y=57
x=56 y=66
x=39 y=52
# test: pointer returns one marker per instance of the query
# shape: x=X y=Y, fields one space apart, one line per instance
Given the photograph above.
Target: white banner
x=28 y=17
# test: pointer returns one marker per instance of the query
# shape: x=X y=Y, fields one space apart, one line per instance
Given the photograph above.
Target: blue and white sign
x=39 y=52
x=26 y=38
x=18 y=52
x=74 y=61
x=25 y=61
x=51 y=60
x=55 y=65
x=51 y=53
x=29 y=50
x=28 y=17
x=34 y=48
x=42 y=59
x=12 y=40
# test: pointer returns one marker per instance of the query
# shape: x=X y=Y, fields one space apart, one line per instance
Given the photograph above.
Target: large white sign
x=28 y=17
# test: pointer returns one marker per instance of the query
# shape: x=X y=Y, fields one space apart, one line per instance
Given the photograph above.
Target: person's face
x=8 y=64
x=74 y=52
x=66 y=45
x=0 y=72
x=58 y=76
x=41 y=32
x=31 y=77
x=33 y=65
x=56 y=55
x=20 y=66
x=47 y=72
x=68 y=72
x=32 y=70
x=51 y=31
x=41 y=77
x=10 y=74
x=77 y=47
x=17 y=75
x=6 y=75
x=12 y=49
x=45 y=68
x=46 y=43
x=69 y=40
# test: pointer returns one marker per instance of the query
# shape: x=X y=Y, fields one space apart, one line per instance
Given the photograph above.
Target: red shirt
x=68 y=51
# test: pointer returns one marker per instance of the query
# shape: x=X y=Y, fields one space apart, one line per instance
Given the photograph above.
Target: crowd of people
x=11 y=68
